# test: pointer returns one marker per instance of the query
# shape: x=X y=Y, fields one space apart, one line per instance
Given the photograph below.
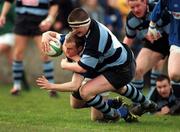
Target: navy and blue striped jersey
x=33 y=7
x=160 y=101
x=138 y=27
x=88 y=74
x=61 y=38
x=173 y=6
x=102 y=49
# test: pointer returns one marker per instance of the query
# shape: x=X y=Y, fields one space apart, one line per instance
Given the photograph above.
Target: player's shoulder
x=132 y=21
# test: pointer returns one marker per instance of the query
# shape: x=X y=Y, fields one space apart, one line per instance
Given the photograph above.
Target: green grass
x=35 y=111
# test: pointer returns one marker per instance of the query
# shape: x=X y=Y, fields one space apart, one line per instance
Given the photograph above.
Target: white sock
x=17 y=86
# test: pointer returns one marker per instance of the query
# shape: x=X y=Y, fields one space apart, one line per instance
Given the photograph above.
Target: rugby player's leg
x=155 y=72
x=90 y=93
x=173 y=69
x=144 y=62
x=17 y=66
x=48 y=67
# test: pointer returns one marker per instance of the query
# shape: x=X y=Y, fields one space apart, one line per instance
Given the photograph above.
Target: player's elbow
x=81 y=70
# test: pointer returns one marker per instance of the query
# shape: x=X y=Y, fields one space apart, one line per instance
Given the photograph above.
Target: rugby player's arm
x=6 y=7
x=76 y=58
x=71 y=86
x=156 y=13
x=53 y=12
x=72 y=66
x=128 y=41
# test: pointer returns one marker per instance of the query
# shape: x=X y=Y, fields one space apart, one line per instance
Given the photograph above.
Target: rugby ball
x=55 y=49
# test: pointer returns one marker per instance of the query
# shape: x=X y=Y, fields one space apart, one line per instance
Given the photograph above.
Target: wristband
x=152 y=24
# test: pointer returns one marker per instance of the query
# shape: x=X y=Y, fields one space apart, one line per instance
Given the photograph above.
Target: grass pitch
x=35 y=111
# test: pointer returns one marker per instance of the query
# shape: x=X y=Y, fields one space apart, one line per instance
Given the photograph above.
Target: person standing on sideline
x=6 y=34
x=32 y=19
x=7 y=41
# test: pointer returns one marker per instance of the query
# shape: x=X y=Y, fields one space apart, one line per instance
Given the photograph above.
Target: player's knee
x=174 y=76
x=75 y=105
x=85 y=95
x=96 y=115
x=139 y=73
x=72 y=105
x=76 y=100
x=18 y=54
x=122 y=90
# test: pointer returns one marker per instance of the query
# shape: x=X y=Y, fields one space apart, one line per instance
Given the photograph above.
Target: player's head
x=73 y=45
x=79 y=21
x=163 y=86
x=138 y=7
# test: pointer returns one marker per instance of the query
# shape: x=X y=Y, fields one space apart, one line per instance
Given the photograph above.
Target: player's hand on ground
x=44 y=83
x=165 y=110
x=2 y=20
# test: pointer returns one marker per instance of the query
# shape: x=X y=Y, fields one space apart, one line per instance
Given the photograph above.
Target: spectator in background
x=6 y=35
x=164 y=97
x=123 y=7
x=94 y=9
x=32 y=18
x=7 y=40
x=113 y=18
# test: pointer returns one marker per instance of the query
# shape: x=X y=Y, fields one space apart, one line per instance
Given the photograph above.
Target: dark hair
x=163 y=77
x=78 y=14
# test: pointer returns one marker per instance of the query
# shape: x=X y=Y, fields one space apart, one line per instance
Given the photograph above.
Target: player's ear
x=80 y=48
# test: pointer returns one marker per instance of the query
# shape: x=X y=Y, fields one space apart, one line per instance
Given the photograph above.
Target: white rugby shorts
x=174 y=49
x=7 y=39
